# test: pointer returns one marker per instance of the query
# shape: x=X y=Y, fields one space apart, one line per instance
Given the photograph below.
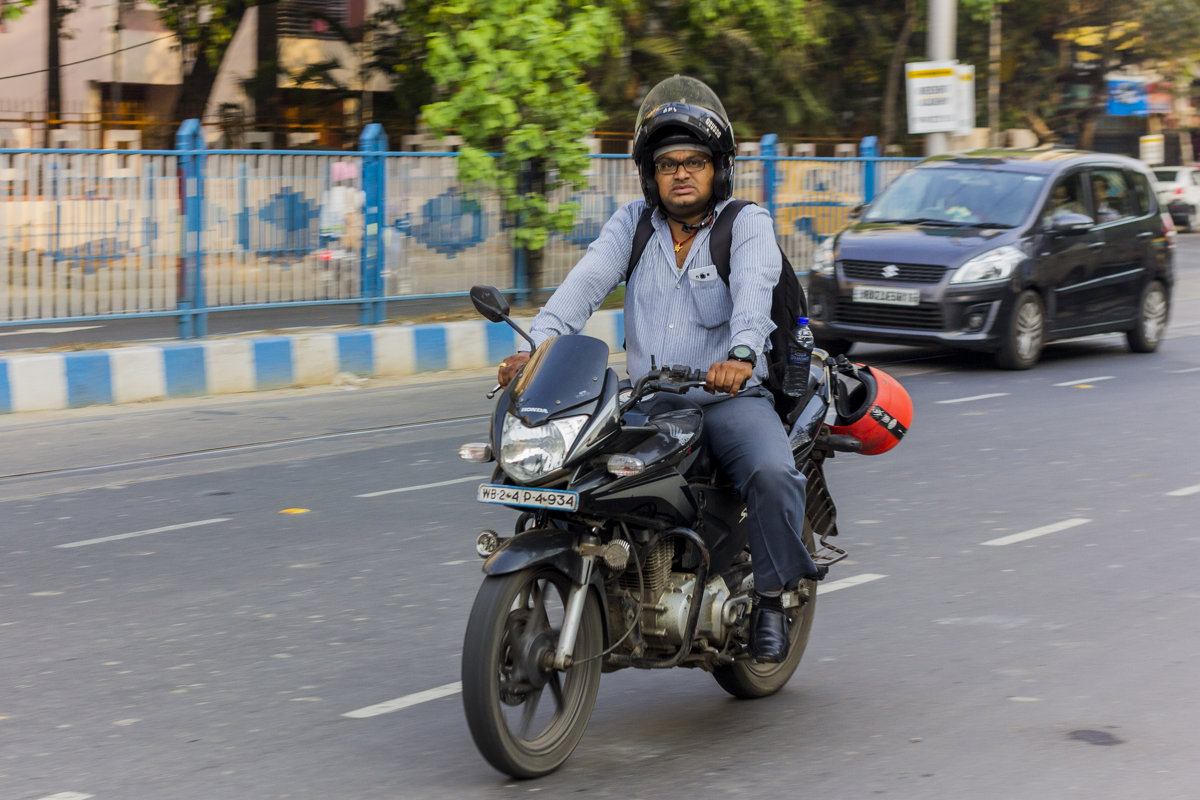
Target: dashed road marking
x=973 y=398
x=1185 y=491
x=846 y=583
x=68 y=796
x=1086 y=380
x=164 y=529
x=480 y=478
x=1036 y=532
x=388 y=706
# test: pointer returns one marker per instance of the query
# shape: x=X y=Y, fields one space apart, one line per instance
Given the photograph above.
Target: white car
x=1178 y=190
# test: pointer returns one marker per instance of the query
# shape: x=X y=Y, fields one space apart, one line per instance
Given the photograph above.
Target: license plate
x=530 y=498
x=887 y=295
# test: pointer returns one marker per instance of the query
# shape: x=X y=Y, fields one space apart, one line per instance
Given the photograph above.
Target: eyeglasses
x=669 y=166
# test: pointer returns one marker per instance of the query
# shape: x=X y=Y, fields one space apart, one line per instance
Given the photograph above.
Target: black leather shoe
x=769 y=639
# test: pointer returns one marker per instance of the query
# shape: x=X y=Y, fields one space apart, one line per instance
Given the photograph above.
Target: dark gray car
x=1001 y=251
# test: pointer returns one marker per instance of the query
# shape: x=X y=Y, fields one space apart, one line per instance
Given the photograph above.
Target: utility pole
x=994 y=76
x=940 y=46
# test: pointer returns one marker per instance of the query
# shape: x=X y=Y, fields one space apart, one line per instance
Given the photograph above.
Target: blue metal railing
x=108 y=234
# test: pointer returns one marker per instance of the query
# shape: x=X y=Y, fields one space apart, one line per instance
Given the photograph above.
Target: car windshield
x=952 y=196
x=1165 y=175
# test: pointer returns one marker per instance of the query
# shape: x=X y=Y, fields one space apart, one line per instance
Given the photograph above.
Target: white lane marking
x=388 y=706
x=67 y=795
x=438 y=692
x=1096 y=379
x=480 y=478
x=163 y=529
x=846 y=583
x=1183 y=371
x=1036 y=532
x=1184 y=492
x=25 y=331
x=970 y=399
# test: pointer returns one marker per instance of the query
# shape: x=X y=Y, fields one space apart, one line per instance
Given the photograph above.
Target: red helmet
x=873 y=408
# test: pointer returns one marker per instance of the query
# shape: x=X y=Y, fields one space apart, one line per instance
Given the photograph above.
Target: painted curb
x=253 y=363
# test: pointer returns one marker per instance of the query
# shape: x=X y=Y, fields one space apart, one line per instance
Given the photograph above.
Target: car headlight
x=994 y=265
x=823 y=258
x=527 y=454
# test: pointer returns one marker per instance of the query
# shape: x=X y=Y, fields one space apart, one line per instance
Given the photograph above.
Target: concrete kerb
x=139 y=372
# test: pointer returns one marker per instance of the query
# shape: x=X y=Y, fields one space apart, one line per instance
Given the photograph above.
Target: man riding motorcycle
x=679 y=311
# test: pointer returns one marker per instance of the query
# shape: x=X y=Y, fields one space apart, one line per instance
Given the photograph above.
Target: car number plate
x=531 y=498
x=887 y=295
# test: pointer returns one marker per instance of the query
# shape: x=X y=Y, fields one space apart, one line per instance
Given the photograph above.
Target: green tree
x=509 y=78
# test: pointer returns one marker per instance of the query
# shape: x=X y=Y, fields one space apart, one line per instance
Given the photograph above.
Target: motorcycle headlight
x=823 y=258
x=994 y=265
x=527 y=454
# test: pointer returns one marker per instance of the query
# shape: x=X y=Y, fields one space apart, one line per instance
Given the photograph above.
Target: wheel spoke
x=538 y=614
x=528 y=712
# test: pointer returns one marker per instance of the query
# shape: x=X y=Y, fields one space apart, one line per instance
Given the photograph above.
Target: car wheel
x=1188 y=220
x=1153 y=308
x=1026 y=333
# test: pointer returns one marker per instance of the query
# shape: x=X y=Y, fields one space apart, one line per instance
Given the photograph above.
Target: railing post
x=373 y=144
x=769 y=148
x=189 y=142
x=868 y=150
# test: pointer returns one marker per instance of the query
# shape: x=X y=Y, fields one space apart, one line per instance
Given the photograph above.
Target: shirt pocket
x=712 y=302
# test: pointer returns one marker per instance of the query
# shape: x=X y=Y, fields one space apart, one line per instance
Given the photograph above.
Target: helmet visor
x=680 y=89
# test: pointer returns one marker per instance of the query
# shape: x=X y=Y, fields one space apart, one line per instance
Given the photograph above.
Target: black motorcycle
x=630 y=549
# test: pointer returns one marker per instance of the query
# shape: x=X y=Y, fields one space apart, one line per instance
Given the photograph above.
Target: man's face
x=685 y=194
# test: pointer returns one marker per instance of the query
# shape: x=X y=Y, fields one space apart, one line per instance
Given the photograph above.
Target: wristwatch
x=744 y=353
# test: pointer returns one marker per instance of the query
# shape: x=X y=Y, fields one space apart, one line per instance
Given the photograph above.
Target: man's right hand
x=509 y=366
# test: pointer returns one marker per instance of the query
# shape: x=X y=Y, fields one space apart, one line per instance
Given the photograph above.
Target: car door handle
x=1145 y=234
x=1096 y=245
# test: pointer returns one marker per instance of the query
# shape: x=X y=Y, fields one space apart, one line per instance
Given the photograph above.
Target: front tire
x=1153 y=308
x=525 y=718
x=1026 y=333
x=748 y=680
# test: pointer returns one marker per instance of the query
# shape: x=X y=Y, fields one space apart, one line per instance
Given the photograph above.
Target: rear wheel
x=747 y=680
x=1151 y=319
x=1026 y=333
x=525 y=716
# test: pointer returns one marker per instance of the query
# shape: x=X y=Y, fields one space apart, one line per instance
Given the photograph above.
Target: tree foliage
x=509 y=77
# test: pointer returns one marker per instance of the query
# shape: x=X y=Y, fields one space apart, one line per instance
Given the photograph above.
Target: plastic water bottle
x=800 y=347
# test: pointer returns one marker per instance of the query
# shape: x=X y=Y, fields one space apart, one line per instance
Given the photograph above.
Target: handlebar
x=675 y=379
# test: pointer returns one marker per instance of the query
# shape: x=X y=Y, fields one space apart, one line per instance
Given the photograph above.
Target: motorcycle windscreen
x=564 y=373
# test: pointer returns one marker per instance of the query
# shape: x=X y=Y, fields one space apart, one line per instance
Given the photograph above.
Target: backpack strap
x=721 y=239
x=641 y=237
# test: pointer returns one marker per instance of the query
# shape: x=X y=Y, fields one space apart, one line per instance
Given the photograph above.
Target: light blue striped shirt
x=686 y=316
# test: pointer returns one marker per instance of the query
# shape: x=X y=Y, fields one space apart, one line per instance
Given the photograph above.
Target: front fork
x=573 y=615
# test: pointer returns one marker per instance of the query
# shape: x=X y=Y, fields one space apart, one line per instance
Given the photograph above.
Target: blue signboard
x=1127 y=98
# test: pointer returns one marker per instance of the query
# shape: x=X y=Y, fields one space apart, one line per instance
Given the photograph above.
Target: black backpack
x=787 y=300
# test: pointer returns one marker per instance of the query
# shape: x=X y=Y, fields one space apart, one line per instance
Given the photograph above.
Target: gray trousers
x=747 y=438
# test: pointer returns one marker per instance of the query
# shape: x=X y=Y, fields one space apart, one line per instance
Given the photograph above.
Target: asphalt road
x=194 y=595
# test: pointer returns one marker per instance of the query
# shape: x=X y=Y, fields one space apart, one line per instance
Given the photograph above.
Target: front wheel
x=525 y=716
x=1151 y=319
x=1025 y=335
x=748 y=680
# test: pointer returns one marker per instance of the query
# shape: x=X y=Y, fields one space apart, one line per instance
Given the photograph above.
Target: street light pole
x=940 y=46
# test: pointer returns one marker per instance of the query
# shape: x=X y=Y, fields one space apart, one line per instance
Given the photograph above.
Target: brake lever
x=494 y=390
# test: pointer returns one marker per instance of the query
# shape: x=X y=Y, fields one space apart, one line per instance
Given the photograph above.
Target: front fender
x=554 y=547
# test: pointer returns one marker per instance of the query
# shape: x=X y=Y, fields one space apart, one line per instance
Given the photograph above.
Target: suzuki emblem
x=890 y=271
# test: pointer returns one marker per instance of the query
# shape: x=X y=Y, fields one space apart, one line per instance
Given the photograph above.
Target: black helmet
x=682 y=110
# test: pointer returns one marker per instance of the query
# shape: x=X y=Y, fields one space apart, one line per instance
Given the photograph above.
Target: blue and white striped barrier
x=137 y=373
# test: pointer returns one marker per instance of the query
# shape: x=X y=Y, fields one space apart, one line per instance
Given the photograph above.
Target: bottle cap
x=801 y=320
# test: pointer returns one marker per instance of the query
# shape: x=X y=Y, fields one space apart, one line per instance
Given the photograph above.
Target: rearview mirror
x=1072 y=224
x=489 y=302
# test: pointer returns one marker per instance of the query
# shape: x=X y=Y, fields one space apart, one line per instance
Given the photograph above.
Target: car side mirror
x=489 y=303
x=857 y=211
x=1072 y=224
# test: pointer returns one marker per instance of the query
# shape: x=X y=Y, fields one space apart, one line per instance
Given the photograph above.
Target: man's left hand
x=727 y=376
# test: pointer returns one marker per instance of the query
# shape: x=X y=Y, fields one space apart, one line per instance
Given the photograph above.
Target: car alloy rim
x=1028 y=329
x=1154 y=315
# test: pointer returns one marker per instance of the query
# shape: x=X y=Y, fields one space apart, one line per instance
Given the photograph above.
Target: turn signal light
x=623 y=465
x=479 y=452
